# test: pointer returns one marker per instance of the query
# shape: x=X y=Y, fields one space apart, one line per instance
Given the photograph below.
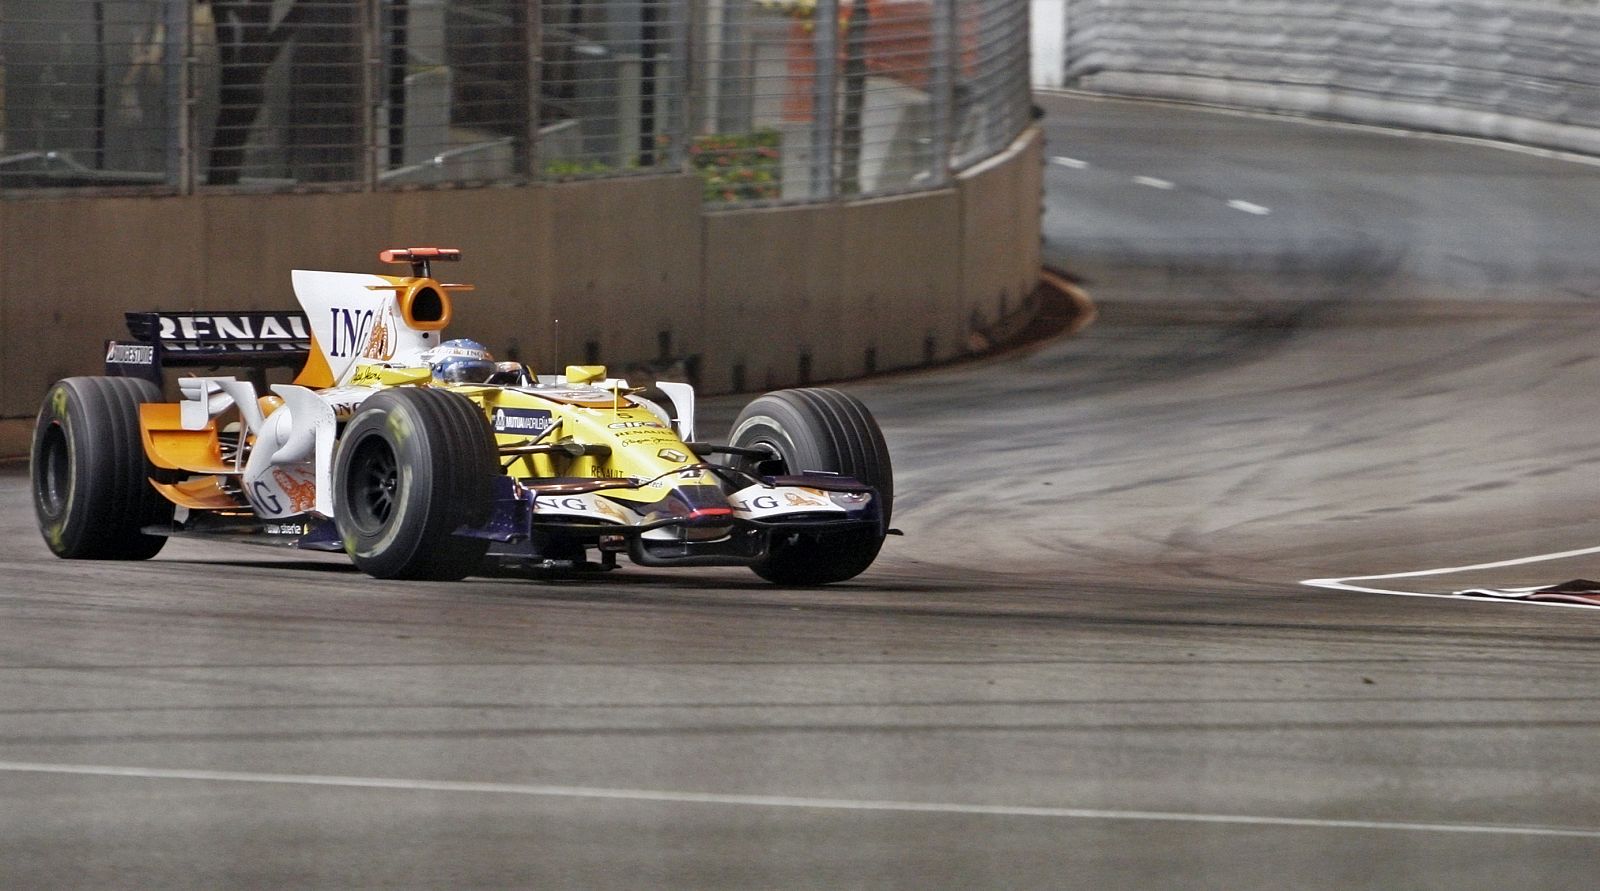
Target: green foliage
x=794 y=9
x=739 y=166
x=558 y=168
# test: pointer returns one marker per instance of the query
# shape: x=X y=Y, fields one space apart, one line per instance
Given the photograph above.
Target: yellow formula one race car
x=424 y=459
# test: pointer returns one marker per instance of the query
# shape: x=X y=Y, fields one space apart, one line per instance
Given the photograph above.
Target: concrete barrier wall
x=999 y=270
x=621 y=263
x=1502 y=69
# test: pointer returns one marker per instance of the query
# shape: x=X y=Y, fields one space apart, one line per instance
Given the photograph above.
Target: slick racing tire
x=91 y=479
x=818 y=429
x=414 y=465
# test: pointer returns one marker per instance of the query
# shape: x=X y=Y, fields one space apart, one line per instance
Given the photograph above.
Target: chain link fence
x=766 y=100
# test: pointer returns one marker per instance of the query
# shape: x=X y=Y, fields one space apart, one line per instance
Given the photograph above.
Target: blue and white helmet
x=460 y=361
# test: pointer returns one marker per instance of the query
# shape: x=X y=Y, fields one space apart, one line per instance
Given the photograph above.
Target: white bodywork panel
x=290 y=467
x=682 y=396
x=354 y=317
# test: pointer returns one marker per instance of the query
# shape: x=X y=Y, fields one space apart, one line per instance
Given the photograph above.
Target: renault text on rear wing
x=208 y=340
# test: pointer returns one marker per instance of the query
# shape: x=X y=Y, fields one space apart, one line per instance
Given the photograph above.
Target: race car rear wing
x=197 y=339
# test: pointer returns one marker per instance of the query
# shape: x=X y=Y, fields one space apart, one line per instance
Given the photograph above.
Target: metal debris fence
x=756 y=96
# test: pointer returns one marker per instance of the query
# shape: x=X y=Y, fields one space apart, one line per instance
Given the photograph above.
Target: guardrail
x=1522 y=71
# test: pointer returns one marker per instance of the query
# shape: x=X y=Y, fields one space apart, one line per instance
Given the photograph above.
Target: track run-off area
x=1323 y=354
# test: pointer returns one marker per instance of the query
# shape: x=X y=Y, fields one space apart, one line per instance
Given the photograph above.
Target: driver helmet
x=460 y=361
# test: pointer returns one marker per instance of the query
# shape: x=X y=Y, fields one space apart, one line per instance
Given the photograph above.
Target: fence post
x=533 y=37
x=684 y=85
x=177 y=52
x=945 y=59
x=368 y=22
x=825 y=109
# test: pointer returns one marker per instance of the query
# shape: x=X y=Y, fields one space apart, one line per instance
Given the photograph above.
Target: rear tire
x=414 y=465
x=819 y=429
x=91 y=479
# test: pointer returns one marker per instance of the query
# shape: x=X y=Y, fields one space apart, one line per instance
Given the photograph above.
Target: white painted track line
x=1073 y=163
x=783 y=801
x=1343 y=584
x=1250 y=208
x=1154 y=182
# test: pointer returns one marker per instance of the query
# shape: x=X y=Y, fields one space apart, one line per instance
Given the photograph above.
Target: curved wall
x=621 y=263
x=1527 y=72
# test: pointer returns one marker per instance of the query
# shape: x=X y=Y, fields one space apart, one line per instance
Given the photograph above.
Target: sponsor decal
x=344 y=401
x=286 y=491
x=577 y=504
x=633 y=425
x=445 y=351
x=280 y=331
x=758 y=501
x=351 y=331
x=569 y=504
x=130 y=354
x=287 y=528
x=647 y=438
x=521 y=420
x=585 y=395
x=602 y=506
x=302 y=493
x=672 y=455
x=344 y=411
x=380 y=345
x=261 y=495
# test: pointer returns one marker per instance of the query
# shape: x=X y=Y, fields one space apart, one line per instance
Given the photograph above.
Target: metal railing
x=758 y=97
x=1523 y=71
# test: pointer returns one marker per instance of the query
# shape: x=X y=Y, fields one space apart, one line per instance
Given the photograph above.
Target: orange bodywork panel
x=434 y=297
x=199 y=493
x=170 y=446
x=316 y=374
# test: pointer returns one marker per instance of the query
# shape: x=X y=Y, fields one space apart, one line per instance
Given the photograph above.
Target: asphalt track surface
x=1090 y=662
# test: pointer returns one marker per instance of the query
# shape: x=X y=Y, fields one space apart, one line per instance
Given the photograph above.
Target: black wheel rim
x=55 y=471
x=774 y=466
x=374 y=485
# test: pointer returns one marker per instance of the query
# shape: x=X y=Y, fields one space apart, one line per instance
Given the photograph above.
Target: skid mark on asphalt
x=1346 y=583
x=785 y=801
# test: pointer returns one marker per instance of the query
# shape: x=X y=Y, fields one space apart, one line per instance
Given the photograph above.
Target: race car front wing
x=689 y=525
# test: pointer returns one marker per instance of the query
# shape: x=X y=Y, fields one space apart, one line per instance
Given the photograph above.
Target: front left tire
x=818 y=429
x=414 y=466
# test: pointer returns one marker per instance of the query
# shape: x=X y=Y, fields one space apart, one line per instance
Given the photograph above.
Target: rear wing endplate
x=255 y=339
